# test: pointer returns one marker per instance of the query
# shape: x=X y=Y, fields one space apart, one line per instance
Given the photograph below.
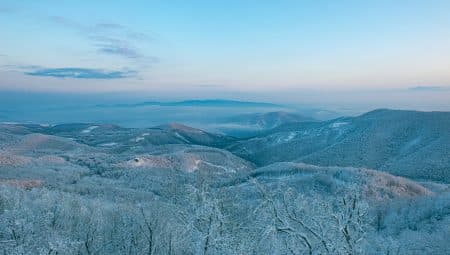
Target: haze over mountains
x=408 y=143
x=139 y=113
x=251 y=124
x=282 y=183
x=198 y=103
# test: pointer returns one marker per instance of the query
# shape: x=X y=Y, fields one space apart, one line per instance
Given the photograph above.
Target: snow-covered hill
x=406 y=143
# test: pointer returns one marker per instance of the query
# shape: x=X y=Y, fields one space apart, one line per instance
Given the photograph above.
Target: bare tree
x=314 y=225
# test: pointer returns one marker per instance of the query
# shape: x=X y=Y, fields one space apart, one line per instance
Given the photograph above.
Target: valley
x=294 y=186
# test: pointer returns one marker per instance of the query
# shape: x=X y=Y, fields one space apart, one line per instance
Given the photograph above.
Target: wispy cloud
x=112 y=46
x=209 y=85
x=119 y=50
x=110 y=38
x=66 y=22
x=428 y=88
x=134 y=35
x=110 y=26
x=81 y=73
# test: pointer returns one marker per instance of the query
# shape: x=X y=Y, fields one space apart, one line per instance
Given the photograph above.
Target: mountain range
x=197 y=103
x=406 y=143
x=377 y=183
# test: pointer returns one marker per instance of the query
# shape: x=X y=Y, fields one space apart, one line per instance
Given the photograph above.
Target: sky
x=323 y=52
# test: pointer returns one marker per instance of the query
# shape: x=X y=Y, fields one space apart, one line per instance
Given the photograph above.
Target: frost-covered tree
x=303 y=224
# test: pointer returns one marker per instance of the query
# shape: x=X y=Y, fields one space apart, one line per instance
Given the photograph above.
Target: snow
x=138 y=139
x=181 y=137
x=226 y=169
x=195 y=167
x=108 y=144
x=410 y=145
x=89 y=129
x=290 y=136
x=285 y=137
x=338 y=124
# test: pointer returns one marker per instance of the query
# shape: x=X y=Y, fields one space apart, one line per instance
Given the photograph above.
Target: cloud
x=118 y=47
x=109 y=26
x=64 y=21
x=118 y=50
x=110 y=38
x=209 y=85
x=81 y=73
x=123 y=29
x=427 y=88
x=19 y=67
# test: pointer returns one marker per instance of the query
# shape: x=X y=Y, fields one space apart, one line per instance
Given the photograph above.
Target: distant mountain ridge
x=269 y=120
x=197 y=103
x=252 y=124
x=405 y=143
x=114 y=136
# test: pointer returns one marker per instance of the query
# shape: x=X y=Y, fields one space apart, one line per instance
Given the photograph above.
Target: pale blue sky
x=214 y=46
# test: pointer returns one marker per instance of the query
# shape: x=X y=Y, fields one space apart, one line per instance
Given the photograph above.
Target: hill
x=99 y=187
x=252 y=124
x=407 y=143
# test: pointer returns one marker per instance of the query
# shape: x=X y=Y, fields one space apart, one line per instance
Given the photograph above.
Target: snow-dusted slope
x=407 y=143
x=94 y=188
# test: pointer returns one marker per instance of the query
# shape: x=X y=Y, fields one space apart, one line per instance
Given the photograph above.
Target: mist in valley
x=224 y=127
x=222 y=177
